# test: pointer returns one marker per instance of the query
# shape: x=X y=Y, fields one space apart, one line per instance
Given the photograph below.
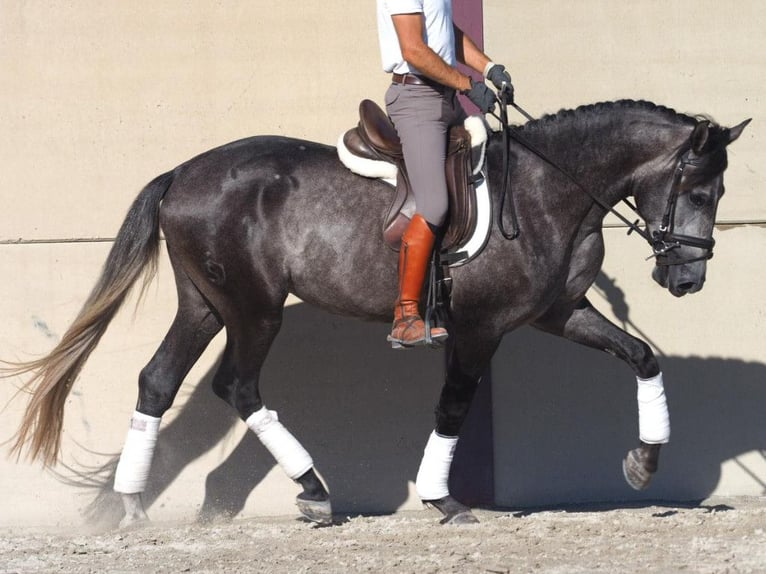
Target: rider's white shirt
x=438 y=34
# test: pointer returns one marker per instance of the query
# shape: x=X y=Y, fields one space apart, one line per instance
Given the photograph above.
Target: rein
x=662 y=241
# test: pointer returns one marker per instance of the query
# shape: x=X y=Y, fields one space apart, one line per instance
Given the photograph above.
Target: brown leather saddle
x=375 y=138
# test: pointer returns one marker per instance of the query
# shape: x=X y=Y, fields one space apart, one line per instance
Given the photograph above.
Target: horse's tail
x=134 y=253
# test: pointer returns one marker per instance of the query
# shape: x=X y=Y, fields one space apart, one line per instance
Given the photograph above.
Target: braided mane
x=587 y=113
x=589 y=116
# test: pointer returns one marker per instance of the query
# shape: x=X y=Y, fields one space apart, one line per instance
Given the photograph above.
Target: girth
x=375 y=138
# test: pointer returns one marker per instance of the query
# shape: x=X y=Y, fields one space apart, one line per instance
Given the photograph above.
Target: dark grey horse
x=250 y=222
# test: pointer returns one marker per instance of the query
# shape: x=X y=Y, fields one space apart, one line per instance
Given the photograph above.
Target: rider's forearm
x=468 y=52
x=428 y=63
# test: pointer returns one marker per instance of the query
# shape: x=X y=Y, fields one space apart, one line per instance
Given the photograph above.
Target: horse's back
x=282 y=212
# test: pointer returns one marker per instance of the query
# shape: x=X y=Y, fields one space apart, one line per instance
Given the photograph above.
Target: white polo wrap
x=433 y=475
x=653 y=417
x=136 y=458
x=283 y=446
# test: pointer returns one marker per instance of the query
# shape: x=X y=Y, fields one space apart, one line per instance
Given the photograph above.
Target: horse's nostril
x=686 y=287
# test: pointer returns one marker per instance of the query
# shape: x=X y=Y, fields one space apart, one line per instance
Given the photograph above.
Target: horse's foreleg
x=465 y=366
x=237 y=383
x=192 y=330
x=294 y=459
x=585 y=325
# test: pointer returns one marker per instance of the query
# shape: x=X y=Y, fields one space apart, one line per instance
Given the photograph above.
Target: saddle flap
x=461 y=217
x=400 y=213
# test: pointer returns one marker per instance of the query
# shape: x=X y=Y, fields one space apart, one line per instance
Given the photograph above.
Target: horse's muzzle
x=660 y=275
x=681 y=280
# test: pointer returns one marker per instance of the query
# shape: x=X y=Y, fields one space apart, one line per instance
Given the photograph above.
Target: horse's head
x=680 y=221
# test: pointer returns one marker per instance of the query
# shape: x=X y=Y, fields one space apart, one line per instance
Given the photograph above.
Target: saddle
x=374 y=140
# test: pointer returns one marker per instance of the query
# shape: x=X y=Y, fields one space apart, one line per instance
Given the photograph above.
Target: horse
x=257 y=219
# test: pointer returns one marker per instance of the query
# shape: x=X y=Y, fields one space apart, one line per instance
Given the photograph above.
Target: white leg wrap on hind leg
x=653 y=417
x=136 y=459
x=283 y=446
x=433 y=474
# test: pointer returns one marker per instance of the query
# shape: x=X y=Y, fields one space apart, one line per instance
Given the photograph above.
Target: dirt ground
x=718 y=535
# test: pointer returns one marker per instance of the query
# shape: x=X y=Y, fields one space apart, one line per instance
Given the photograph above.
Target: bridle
x=664 y=241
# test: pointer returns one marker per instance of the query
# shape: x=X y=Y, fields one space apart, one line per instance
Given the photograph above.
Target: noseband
x=663 y=241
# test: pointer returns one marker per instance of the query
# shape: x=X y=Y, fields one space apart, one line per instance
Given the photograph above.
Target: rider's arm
x=469 y=53
x=409 y=30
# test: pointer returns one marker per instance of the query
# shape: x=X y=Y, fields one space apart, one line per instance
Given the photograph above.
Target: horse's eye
x=698 y=199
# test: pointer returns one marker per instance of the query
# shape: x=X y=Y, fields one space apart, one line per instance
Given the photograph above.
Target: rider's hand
x=502 y=81
x=481 y=96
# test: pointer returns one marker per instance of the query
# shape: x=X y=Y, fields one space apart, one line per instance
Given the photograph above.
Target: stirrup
x=428 y=338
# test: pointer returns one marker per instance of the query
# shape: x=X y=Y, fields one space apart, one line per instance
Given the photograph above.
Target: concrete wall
x=97 y=98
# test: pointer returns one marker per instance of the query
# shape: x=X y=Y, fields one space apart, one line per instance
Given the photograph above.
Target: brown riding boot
x=409 y=330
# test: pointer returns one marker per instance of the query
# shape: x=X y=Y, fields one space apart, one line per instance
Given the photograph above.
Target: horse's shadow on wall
x=562 y=417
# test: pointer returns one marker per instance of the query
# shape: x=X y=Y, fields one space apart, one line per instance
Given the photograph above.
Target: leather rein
x=663 y=241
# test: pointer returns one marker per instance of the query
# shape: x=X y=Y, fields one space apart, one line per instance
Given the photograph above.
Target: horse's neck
x=605 y=157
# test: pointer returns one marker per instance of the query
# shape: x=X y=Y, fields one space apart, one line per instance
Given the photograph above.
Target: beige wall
x=698 y=57
x=97 y=98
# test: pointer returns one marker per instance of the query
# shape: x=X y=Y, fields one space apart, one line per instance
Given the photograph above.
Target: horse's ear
x=737 y=130
x=699 y=136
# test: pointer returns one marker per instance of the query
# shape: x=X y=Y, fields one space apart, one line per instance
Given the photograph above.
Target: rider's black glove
x=481 y=96
x=502 y=81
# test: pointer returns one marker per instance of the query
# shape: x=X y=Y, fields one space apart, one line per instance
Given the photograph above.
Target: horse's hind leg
x=193 y=328
x=585 y=325
x=236 y=382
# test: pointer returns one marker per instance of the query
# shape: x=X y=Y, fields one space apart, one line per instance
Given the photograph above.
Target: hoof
x=634 y=471
x=133 y=523
x=454 y=512
x=317 y=511
x=460 y=519
x=135 y=515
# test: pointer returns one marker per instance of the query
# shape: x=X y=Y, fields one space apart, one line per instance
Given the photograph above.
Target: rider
x=420 y=45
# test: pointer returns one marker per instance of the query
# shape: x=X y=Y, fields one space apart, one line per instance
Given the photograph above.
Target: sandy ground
x=719 y=535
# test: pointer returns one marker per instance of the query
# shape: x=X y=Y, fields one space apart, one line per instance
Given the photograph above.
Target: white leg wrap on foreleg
x=283 y=446
x=433 y=474
x=653 y=418
x=136 y=458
